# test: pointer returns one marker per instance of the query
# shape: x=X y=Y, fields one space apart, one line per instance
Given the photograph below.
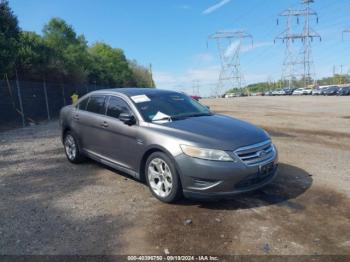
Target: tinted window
x=96 y=104
x=116 y=106
x=83 y=103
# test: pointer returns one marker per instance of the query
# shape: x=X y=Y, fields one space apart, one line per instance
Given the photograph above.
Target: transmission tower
x=287 y=36
x=229 y=45
x=195 y=88
x=307 y=35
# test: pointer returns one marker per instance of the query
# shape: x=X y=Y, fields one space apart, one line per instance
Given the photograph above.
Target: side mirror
x=127 y=119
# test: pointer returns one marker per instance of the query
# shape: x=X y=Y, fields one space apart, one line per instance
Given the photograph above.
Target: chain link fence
x=24 y=103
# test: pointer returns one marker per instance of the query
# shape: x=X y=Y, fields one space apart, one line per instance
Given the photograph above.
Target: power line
x=252 y=10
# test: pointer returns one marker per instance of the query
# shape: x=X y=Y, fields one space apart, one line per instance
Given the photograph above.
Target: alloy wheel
x=70 y=147
x=160 y=177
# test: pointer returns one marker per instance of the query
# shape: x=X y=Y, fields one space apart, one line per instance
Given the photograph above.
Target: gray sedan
x=175 y=144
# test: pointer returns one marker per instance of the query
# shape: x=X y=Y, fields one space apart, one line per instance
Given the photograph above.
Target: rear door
x=91 y=124
x=76 y=124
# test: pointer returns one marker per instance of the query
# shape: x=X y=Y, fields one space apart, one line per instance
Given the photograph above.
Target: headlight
x=203 y=153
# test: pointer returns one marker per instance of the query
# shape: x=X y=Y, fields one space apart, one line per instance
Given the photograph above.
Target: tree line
x=59 y=54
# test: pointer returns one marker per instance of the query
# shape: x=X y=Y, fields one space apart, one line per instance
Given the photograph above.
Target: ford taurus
x=170 y=141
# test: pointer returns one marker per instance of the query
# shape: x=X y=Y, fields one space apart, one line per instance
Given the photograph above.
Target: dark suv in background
x=344 y=91
x=331 y=91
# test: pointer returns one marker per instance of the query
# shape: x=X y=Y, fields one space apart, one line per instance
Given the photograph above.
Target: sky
x=172 y=35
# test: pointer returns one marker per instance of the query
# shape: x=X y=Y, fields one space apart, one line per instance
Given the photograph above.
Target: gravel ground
x=49 y=206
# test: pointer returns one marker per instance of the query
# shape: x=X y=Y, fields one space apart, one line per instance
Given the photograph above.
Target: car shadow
x=290 y=182
x=113 y=170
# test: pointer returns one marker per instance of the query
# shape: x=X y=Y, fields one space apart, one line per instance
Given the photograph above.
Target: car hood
x=216 y=131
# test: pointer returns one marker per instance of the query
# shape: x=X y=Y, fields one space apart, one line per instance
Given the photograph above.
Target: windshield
x=172 y=106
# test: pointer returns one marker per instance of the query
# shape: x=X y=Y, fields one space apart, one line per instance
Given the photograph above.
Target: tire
x=164 y=185
x=71 y=148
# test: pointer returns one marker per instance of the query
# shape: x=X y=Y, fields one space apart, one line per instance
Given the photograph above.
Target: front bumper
x=213 y=179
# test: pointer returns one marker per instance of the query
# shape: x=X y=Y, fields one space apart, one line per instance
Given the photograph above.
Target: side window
x=96 y=104
x=82 y=104
x=116 y=106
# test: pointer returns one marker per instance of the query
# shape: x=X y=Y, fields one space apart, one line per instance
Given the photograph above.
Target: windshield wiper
x=199 y=114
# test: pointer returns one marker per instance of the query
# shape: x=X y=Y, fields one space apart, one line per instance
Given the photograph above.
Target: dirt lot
x=48 y=206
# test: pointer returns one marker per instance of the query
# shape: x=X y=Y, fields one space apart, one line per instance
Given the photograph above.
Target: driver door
x=120 y=139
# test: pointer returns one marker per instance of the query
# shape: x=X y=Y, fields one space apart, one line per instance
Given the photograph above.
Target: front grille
x=256 y=154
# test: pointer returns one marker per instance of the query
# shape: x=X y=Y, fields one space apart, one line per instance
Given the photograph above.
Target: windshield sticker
x=140 y=99
x=161 y=118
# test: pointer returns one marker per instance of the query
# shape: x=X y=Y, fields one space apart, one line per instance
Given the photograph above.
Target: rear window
x=96 y=104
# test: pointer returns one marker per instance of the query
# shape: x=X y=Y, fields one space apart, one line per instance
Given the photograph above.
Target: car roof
x=130 y=91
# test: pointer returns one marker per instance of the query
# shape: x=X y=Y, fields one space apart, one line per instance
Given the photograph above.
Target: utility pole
x=229 y=45
x=195 y=88
x=20 y=99
x=307 y=35
x=151 y=75
x=344 y=32
x=150 y=70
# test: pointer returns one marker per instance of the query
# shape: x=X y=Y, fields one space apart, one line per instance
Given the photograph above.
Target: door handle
x=76 y=117
x=104 y=124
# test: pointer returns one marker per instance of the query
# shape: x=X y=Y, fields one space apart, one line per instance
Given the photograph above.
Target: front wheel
x=162 y=178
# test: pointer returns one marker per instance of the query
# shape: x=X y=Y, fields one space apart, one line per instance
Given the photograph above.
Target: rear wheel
x=71 y=148
x=162 y=178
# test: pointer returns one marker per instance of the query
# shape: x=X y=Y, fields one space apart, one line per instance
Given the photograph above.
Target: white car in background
x=317 y=92
x=298 y=92
x=278 y=92
x=302 y=91
x=307 y=91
